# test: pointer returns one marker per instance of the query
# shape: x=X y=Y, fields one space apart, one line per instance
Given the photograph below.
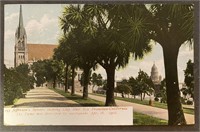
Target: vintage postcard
x=99 y=64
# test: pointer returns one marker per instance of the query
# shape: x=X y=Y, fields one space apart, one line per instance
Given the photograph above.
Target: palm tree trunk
x=144 y=96
x=175 y=111
x=66 y=78
x=93 y=88
x=73 y=76
x=122 y=95
x=141 y=96
x=54 y=82
x=110 y=100
x=85 y=83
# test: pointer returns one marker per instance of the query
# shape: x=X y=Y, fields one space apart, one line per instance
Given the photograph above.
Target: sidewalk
x=148 y=110
x=44 y=97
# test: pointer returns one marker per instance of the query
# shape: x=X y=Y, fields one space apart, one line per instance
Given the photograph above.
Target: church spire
x=20 y=17
x=21 y=51
x=20 y=32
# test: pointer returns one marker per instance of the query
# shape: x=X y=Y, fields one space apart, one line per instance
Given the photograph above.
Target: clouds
x=10 y=17
x=186 y=51
x=40 y=31
x=41 y=26
x=9 y=35
x=145 y=65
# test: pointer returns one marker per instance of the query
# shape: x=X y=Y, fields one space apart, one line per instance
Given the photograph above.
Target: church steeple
x=20 y=32
x=21 y=51
x=20 y=17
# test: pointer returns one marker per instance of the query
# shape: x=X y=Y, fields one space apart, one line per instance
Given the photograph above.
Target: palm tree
x=98 y=30
x=170 y=25
x=73 y=22
x=64 y=53
x=112 y=52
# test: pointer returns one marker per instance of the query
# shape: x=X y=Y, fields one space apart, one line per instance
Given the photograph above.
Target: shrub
x=12 y=88
x=183 y=100
x=163 y=100
x=15 y=83
x=156 y=99
x=189 y=102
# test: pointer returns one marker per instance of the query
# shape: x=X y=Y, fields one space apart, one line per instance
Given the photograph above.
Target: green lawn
x=79 y=99
x=142 y=119
x=146 y=102
x=138 y=118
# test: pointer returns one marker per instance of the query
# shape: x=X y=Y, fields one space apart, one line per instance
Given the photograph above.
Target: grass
x=79 y=99
x=146 y=102
x=138 y=118
x=142 y=119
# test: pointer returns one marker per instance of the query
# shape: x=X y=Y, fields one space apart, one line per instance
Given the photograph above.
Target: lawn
x=142 y=119
x=79 y=99
x=138 y=118
x=146 y=102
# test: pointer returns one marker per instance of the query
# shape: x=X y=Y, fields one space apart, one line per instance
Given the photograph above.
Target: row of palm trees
x=109 y=34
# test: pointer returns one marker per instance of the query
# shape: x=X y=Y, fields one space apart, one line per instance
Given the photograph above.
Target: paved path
x=44 y=97
x=148 y=110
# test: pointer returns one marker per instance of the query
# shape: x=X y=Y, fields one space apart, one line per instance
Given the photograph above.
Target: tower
x=156 y=79
x=154 y=74
x=21 y=52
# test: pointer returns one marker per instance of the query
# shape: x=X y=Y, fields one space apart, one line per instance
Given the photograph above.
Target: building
x=28 y=53
x=156 y=78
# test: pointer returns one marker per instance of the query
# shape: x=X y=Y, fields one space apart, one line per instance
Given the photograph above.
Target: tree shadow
x=45 y=104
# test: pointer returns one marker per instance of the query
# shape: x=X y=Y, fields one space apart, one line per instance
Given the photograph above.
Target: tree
x=161 y=22
x=189 y=79
x=73 y=21
x=94 y=23
x=12 y=87
x=112 y=52
x=96 y=80
x=16 y=82
x=104 y=83
x=24 y=72
x=123 y=89
x=64 y=53
x=178 y=20
x=23 y=69
x=163 y=91
x=134 y=86
x=54 y=70
x=39 y=72
x=145 y=84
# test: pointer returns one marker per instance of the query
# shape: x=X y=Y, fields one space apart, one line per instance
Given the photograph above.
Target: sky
x=41 y=22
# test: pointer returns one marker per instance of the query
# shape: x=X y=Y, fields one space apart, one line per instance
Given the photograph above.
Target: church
x=27 y=52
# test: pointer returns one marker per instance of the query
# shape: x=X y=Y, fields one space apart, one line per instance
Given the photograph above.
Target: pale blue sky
x=42 y=27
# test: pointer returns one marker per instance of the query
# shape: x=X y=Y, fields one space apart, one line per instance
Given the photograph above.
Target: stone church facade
x=28 y=53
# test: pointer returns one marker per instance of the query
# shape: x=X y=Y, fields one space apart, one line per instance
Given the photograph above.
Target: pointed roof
x=20 y=32
x=20 y=17
x=154 y=68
